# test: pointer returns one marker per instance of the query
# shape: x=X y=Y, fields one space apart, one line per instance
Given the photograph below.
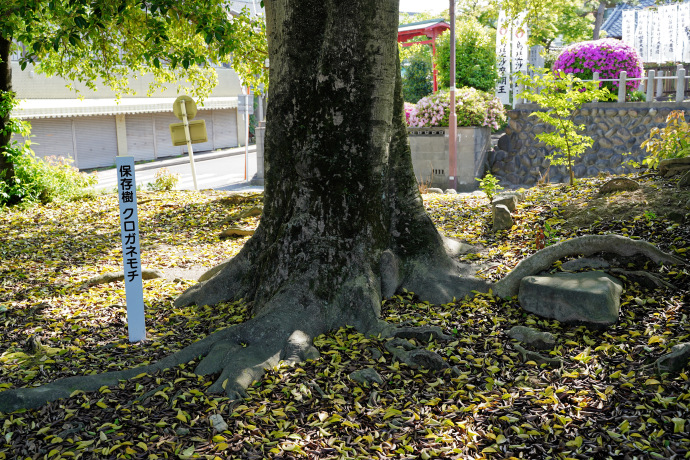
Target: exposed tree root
x=285 y=328
x=583 y=245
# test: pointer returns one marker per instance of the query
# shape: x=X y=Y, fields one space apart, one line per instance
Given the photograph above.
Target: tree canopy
x=85 y=41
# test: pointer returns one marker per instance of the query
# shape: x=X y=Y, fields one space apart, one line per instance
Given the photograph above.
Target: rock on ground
x=590 y=298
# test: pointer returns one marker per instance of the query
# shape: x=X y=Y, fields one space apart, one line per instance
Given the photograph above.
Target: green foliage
x=561 y=95
x=34 y=179
x=636 y=96
x=475 y=56
x=417 y=81
x=164 y=181
x=102 y=42
x=489 y=185
x=671 y=141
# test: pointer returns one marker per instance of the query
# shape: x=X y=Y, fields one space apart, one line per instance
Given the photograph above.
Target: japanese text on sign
x=131 y=255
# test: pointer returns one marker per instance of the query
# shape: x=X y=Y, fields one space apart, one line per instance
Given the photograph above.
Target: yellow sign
x=197 y=132
x=190 y=106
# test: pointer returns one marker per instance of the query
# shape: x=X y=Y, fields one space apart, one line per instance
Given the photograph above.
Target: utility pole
x=453 y=118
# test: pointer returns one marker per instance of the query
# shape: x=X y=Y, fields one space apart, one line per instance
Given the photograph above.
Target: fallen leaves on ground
x=606 y=401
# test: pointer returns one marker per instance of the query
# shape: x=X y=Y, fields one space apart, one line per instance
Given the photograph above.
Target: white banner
x=629 y=27
x=131 y=255
x=520 y=55
x=668 y=20
x=654 y=54
x=683 y=47
x=503 y=34
x=642 y=34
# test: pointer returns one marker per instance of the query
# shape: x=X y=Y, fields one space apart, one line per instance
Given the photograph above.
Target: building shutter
x=96 y=141
x=52 y=137
x=164 y=147
x=140 y=136
x=225 y=128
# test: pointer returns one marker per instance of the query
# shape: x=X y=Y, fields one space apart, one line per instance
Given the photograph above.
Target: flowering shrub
x=607 y=56
x=473 y=108
x=408 y=111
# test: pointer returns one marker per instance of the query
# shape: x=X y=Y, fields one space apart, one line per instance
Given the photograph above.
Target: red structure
x=431 y=28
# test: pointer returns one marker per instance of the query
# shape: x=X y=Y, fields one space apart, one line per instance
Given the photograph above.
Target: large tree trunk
x=599 y=19
x=340 y=194
x=343 y=225
x=6 y=169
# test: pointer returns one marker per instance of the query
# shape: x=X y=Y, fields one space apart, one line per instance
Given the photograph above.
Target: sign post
x=184 y=108
x=131 y=255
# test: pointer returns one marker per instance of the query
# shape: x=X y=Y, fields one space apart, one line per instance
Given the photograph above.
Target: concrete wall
x=430 y=160
x=616 y=129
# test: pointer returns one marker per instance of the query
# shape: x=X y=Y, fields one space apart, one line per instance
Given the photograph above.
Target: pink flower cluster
x=608 y=56
x=408 y=111
x=472 y=107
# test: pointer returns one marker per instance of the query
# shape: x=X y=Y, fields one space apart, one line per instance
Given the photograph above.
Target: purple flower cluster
x=472 y=107
x=608 y=56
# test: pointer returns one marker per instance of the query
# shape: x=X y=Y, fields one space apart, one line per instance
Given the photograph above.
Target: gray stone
x=425 y=359
x=500 y=154
x=501 y=218
x=532 y=337
x=673 y=163
x=504 y=143
x=590 y=298
x=584 y=262
x=592 y=171
x=509 y=201
x=619 y=184
x=366 y=376
x=450 y=191
x=434 y=190
x=605 y=143
x=675 y=361
x=218 y=423
x=684 y=180
x=605 y=153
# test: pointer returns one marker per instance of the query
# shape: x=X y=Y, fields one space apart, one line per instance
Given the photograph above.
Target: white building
x=95 y=129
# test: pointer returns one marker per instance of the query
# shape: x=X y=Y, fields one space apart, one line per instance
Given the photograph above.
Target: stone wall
x=616 y=129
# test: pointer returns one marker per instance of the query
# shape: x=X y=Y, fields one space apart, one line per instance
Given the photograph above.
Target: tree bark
x=341 y=195
x=599 y=19
x=6 y=168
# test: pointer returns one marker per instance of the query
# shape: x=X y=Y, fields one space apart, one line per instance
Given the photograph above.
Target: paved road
x=214 y=170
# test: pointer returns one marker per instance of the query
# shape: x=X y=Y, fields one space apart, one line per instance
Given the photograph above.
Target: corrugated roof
x=62 y=108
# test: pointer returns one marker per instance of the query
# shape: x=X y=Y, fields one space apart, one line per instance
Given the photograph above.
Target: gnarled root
x=583 y=245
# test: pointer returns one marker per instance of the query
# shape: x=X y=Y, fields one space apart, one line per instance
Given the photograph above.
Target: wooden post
x=621 y=85
x=650 y=86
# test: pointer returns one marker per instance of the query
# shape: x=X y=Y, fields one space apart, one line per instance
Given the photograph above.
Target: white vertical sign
x=642 y=34
x=503 y=34
x=683 y=46
x=520 y=50
x=131 y=255
x=668 y=17
x=654 y=36
x=629 y=27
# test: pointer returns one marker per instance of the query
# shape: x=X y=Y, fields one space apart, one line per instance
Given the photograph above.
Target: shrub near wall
x=607 y=56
